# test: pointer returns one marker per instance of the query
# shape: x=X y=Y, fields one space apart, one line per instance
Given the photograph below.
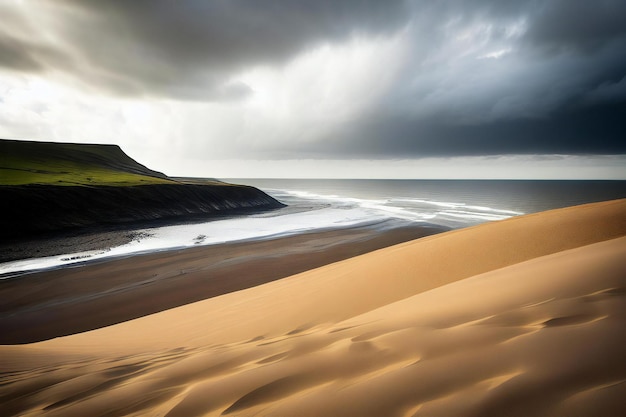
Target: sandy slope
x=521 y=317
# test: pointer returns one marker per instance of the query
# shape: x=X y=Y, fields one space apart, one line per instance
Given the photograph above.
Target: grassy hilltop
x=71 y=164
x=47 y=186
x=66 y=164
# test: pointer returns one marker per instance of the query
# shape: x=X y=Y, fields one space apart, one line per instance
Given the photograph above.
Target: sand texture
x=524 y=317
x=47 y=304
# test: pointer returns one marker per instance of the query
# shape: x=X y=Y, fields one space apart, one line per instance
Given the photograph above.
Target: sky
x=326 y=88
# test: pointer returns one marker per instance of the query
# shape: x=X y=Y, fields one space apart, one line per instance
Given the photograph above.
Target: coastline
x=518 y=317
x=62 y=243
x=52 y=303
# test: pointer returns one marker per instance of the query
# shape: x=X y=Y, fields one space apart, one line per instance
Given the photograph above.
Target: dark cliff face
x=67 y=187
x=29 y=210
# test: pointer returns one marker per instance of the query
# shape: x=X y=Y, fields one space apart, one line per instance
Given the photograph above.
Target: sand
x=43 y=305
x=523 y=317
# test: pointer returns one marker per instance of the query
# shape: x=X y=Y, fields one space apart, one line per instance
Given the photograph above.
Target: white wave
x=209 y=233
x=456 y=205
x=306 y=211
x=413 y=209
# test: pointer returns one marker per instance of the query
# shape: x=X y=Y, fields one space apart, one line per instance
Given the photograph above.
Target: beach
x=518 y=317
x=52 y=303
x=312 y=209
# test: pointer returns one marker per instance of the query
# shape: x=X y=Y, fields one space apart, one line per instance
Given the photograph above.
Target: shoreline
x=95 y=245
x=51 y=303
x=94 y=238
x=519 y=317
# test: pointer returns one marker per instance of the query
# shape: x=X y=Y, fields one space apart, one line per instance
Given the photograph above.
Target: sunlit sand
x=523 y=317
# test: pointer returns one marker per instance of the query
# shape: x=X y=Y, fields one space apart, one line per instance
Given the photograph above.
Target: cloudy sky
x=300 y=88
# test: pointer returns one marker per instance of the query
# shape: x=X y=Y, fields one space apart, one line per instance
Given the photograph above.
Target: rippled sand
x=524 y=317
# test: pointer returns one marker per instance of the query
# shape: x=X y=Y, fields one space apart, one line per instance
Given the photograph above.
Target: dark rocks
x=29 y=210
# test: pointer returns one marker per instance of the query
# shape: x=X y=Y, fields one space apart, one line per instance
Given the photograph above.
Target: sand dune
x=524 y=317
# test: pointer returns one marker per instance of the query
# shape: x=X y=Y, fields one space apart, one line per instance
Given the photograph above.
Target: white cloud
x=301 y=102
x=415 y=81
x=320 y=90
x=32 y=107
x=496 y=54
x=201 y=139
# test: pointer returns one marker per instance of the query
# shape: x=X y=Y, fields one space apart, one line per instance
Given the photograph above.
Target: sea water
x=331 y=204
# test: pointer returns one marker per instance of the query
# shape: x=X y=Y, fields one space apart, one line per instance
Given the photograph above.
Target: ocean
x=455 y=203
x=329 y=204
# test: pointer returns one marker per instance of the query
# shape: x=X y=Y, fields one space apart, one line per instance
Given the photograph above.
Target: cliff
x=48 y=187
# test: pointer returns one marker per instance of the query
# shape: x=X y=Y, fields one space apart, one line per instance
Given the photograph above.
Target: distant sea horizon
x=522 y=196
x=323 y=204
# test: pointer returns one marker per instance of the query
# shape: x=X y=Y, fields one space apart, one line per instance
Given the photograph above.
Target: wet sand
x=59 y=243
x=523 y=317
x=64 y=301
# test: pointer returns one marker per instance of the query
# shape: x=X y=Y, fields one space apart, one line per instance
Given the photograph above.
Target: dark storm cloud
x=16 y=54
x=561 y=90
x=596 y=129
x=578 y=25
x=550 y=77
x=190 y=49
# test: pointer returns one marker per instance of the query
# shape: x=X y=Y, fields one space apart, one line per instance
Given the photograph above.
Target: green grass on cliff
x=63 y=164
x=69 y=174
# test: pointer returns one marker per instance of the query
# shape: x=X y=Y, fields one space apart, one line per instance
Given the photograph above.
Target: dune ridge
x=520 y=317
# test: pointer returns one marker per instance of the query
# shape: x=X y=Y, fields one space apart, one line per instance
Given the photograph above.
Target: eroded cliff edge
x=57 y=187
